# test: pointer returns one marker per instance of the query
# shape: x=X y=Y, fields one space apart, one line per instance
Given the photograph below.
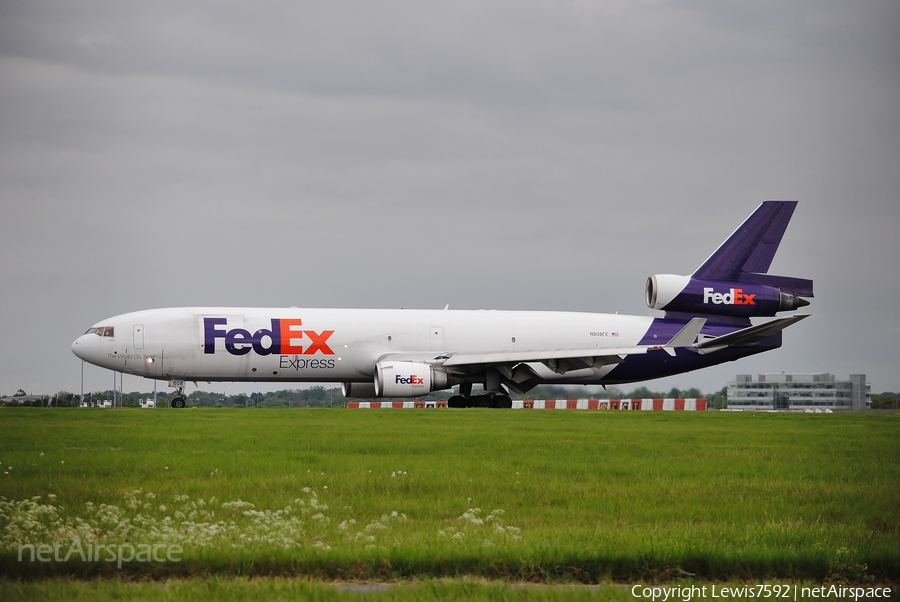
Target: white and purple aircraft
x=408 y=353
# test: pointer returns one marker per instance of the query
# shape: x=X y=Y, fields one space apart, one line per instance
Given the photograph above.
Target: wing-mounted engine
x=741 y=299
x=408 y=379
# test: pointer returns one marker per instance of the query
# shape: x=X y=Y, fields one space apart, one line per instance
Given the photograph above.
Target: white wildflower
x=238 y=504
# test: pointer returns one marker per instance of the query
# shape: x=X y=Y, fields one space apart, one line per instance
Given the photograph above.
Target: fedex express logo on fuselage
x=285 y=337
x=735 y=296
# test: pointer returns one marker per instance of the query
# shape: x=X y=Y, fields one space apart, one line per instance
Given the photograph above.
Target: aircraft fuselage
x=343 y=345
x=408 y=353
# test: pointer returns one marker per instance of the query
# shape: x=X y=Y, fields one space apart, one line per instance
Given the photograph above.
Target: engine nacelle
x=740 y=299
x=365 y=390
x=408 y=379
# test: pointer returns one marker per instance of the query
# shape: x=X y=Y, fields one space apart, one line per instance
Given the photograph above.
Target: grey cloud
x=508 y=155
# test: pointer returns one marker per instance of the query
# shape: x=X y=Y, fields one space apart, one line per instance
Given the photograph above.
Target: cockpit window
x=101 y=331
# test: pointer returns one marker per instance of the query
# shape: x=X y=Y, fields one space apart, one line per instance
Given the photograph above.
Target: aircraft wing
x=587 y=357
x=559 y=360
x=514 y=369
x=562 y=360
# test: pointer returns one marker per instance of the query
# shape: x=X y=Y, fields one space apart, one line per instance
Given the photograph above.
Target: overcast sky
x=504 y=155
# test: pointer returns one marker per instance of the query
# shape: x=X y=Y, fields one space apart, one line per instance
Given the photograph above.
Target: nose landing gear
x=178 y=400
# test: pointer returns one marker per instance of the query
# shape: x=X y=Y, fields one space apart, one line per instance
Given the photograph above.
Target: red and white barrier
x=688 y=405
x=395 y=405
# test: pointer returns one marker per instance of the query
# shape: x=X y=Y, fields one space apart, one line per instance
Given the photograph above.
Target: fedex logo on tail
x=285 y=337
x=735 y=296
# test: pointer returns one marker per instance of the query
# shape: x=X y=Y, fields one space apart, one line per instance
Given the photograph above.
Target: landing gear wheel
x=491 y=400
x=457 y=401
x=178 y=400
x=501 y=401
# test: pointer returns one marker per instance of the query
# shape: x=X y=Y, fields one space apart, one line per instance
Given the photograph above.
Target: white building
x=799 y=392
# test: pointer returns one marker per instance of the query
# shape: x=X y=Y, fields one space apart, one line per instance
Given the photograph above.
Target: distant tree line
x=886 y=401
x=319 y=396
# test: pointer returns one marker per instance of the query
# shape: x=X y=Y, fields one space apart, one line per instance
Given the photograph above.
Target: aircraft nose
x=78 y=347
x=85 y=347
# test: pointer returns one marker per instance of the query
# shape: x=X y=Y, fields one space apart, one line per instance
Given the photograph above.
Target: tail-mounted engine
x=738 y=299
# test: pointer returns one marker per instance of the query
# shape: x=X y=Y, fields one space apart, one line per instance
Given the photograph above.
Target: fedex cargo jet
x=408 y=353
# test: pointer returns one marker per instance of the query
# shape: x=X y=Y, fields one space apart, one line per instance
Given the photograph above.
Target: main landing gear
x=489 y=400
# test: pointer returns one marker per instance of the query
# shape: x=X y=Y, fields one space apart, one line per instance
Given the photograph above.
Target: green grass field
x=508 y=496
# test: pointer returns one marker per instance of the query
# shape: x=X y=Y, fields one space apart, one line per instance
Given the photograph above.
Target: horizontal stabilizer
x=748 y=336
x=687 y=335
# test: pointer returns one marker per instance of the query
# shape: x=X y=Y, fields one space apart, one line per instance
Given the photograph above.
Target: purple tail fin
x=748 y=252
